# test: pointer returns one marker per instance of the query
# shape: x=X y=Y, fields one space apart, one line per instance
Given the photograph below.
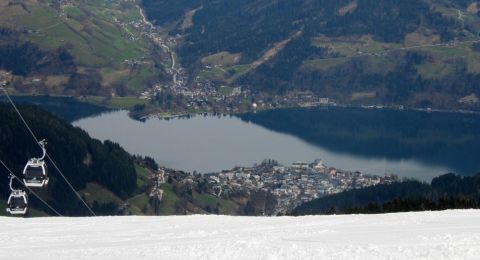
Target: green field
x=94 y=192
x=352 y=46
x=222 y=59
x=143 y=179
x=441 y=60
x=224 y=74
x=138 y=204
x=89 y=31
x=92 y=33
x=214 y=74
x=225 y=207
x=167 y=206
x=240 y=70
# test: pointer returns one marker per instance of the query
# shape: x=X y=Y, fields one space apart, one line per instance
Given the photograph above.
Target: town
x=290 y=186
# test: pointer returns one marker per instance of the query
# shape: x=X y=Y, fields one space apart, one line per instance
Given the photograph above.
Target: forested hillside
x=419 y=52
x=447 y=191
x=83 y=160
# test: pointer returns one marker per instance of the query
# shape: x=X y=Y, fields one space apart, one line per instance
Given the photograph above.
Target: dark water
x=449 y=140
x=68 y=108
x=411 y=144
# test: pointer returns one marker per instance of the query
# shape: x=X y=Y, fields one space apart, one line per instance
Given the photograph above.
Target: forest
x=447 y=191
x=81 y=158
x=25 y=58
x=254 y=27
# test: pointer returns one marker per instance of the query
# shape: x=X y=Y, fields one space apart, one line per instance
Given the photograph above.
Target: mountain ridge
x=351 y=51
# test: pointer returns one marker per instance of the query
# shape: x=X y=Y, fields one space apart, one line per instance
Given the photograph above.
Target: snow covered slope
x=434 y=235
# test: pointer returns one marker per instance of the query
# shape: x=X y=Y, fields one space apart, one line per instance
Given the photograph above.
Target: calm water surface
x=207 y=144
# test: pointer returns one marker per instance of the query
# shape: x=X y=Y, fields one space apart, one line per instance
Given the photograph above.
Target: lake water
x=68 y=108
x=410 y=144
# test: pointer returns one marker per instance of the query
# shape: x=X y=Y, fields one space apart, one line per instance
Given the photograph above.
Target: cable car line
x=46 y=154
x=29 y=189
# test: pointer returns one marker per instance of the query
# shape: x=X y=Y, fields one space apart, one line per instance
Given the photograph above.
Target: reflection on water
x=450 y=140
x=359 y=141
x=67 y=108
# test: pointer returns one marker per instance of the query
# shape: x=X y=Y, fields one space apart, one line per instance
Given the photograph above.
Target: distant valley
x=421 y=53
x=225 y=56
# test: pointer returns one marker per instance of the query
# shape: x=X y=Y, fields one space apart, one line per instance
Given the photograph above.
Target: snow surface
x=453 y=234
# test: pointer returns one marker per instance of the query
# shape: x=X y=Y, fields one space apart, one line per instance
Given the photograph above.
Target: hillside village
x=289 y=186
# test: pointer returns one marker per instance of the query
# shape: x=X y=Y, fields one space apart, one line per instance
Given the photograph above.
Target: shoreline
x=172 y=114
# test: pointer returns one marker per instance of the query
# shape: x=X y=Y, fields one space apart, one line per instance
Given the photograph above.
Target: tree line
x=448 y=191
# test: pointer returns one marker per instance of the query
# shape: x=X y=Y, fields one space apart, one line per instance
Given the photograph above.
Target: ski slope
x=451 y=234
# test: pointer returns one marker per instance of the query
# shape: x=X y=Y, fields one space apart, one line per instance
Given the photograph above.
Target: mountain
x=451 y=234
x=422 y=53
x=419 y=52
x=87 y=47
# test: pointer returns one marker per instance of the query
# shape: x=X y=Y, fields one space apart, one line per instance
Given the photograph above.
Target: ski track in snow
x=453 y=234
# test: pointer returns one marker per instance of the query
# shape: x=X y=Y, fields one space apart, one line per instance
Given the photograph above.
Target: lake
x=408 y=143
x=67 y=108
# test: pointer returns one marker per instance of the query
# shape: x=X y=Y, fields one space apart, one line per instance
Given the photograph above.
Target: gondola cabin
x=17 y=203
x=35 y=173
